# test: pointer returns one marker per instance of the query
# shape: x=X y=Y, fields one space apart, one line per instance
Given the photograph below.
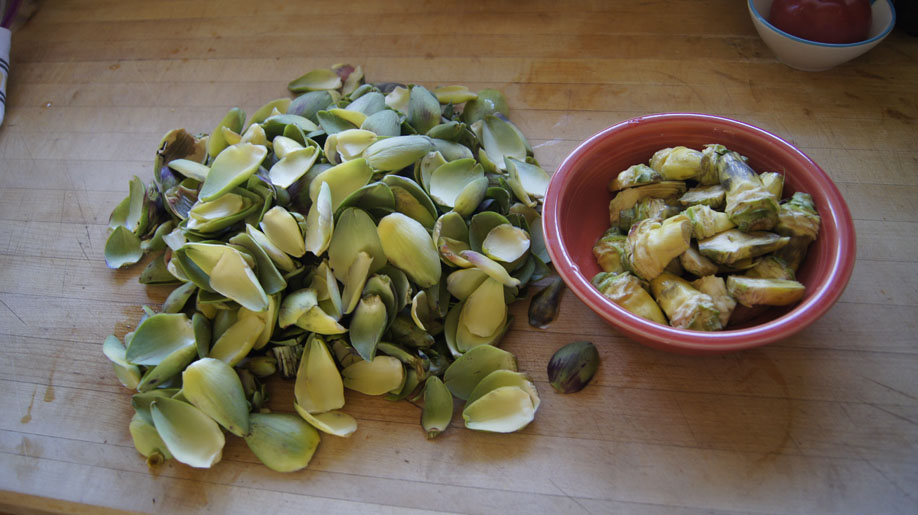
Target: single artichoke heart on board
x=573 y=366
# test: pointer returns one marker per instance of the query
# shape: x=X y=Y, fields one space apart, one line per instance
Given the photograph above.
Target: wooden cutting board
x=826 y=421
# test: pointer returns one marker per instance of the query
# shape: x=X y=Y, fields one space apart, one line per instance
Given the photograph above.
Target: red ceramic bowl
x=575 y=214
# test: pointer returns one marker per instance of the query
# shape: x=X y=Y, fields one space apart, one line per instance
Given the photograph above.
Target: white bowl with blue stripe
x=814 y=56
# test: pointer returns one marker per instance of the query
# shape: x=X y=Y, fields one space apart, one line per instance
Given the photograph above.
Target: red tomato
x=826 y=21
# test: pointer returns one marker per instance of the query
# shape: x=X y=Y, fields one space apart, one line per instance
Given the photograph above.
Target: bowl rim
x=826 y=293
x=885 y=32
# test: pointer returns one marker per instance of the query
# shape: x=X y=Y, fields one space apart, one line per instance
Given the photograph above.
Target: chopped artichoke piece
x=716 y=288
x=731 y=247
x=609 y=251
x=686 y=307
x=750 y=291
x=626 y=291
x=627 y=198
x=798 y=217
x=644 y=209
x=706 y=222
x=773 y=182
x=652 y=244
x=712 y=196
x=677 y=164
x=636 y=175
x=740 y=266
x=794 y=252
x=750 y=206
x=675 y=266
x=696 y=264
x=771 y=267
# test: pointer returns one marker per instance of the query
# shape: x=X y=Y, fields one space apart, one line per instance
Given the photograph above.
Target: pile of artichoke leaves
x=361 y=236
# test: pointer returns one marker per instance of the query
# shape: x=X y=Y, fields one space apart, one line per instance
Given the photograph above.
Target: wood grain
x=823 y=422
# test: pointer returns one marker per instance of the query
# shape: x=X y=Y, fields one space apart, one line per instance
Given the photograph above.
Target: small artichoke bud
x=572 y=366
x=544 y=306
x=438 y=407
